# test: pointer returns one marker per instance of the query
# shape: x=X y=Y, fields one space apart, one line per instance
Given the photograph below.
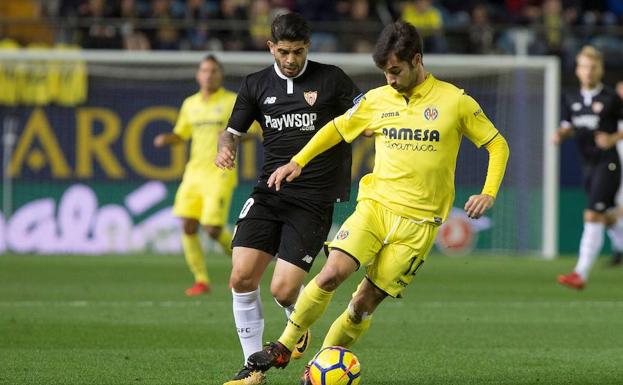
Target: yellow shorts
x=206 y=200
x=390 y=246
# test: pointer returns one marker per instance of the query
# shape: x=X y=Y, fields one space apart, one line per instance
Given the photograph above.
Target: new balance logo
x=308 y=259
x=270 y=100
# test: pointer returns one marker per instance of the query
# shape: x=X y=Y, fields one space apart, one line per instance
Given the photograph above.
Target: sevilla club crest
x=310 y=97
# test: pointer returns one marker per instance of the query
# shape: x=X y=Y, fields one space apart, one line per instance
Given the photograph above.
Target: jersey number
x=246 y=208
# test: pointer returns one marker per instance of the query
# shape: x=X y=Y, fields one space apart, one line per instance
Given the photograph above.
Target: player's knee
x=213 y=231
x=329 y=278
x=190 y=227
x=241 y=282
x=284 y=294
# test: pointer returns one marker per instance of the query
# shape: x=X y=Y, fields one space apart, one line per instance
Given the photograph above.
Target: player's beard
x=291 y=71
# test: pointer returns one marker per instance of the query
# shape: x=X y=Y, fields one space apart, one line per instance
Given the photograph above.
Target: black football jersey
x=588 y=113
x=290 y=111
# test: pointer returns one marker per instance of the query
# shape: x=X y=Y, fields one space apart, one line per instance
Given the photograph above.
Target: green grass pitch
x=472 y=320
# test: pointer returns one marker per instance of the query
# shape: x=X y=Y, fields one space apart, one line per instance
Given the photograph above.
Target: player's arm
x=607 y=136
x=181 y=132
x=565 y=130
x=479 y=129
x=347 y=127
x=242 y=117
x=499 y=152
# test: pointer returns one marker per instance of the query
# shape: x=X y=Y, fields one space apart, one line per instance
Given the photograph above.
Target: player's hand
x=605 y=141
x=160 y=140
x=561 y=134
x=477 y=205
x=225 y=158
x=287 y=172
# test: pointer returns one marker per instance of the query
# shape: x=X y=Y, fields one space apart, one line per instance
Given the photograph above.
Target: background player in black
x=291 y=99
x=591 y=115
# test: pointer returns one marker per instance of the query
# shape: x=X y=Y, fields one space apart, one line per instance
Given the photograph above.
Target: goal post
x=133 y=95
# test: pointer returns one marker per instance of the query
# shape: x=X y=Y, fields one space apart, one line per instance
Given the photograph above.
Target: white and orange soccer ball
x=335 y=365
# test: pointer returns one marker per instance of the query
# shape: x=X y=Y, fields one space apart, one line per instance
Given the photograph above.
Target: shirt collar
x=423 y=88
x=592 y=92
x=281 y=75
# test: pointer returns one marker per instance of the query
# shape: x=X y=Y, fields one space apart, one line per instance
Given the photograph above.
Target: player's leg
x=188 y=206
x=255 y=242
x=602 y=185
x=216 y=203
x=302 y=238
x=357 y=236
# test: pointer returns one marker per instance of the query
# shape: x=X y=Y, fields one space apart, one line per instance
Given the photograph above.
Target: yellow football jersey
x=416 y=142
x=202 y=121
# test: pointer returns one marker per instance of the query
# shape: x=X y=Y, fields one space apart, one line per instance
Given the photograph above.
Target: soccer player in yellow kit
x=418 y=122
x=204 y=196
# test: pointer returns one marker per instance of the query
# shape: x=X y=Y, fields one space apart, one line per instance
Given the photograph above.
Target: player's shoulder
x=447 y=88
x=259 y=76
x=192 y=99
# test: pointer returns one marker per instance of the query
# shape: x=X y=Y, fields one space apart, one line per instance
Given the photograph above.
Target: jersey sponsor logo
x=304 y=122
x=310 y=97
x=597 y=107
x=308 y=259
x=589 y=121
x=417 y=134
x=431 y=113
x=391 y=114
x=270 y=100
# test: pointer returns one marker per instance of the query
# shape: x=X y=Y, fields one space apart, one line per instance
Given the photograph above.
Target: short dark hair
x=211 y=57
x=290 y=27
x=399 y=38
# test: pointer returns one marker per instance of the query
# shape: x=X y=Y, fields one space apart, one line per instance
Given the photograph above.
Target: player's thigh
x=216 y=203
x=258 y=226
x=188 y=200
x=248 y=266
x=303 y=234
x=361 y=235
x=604 y=184
x=399 y=260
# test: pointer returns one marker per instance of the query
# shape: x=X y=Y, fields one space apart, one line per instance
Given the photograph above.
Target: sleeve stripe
x=232 y=131
x=489 y=141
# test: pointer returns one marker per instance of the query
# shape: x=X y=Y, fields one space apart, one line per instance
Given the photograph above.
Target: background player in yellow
x=418 y=122
x=204 y=196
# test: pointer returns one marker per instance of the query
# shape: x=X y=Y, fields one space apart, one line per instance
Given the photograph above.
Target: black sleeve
x=347 y=91
x=609 y=118
x=245 y=110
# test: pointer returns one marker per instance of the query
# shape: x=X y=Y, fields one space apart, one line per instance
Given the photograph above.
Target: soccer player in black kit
x=591 y=115
x=291 y=100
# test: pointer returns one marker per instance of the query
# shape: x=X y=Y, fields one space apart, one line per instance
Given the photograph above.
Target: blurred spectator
x=231 y=14
x=197 y=14
x=358 y=38
x=164 y=35
x=427 y=19
x=97 y=31
x=481 y=33
x=133 y=39
x=259 y=24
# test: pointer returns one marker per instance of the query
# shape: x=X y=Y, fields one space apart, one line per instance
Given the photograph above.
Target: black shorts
x=277 y=226
x=601 y=183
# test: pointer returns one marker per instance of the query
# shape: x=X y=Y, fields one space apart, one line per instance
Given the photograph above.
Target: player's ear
x=417 y=59
x=271 y=46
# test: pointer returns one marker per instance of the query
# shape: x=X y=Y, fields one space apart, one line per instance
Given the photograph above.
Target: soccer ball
x=335 y=365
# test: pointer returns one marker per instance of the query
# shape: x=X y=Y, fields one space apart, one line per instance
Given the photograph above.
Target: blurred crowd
x=448 y=26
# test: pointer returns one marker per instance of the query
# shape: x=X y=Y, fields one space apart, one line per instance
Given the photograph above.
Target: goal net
x=80 y=173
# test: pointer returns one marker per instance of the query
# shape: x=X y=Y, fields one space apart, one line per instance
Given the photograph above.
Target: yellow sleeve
x=183 y=128
x=325 y=138
x=498 y=157
x=474 y=123
x=356 y=120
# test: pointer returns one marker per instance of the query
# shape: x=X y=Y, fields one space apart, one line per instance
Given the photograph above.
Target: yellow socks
x=194 y=257
x=344 y=331
x=311 y=304
x=224 y=239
